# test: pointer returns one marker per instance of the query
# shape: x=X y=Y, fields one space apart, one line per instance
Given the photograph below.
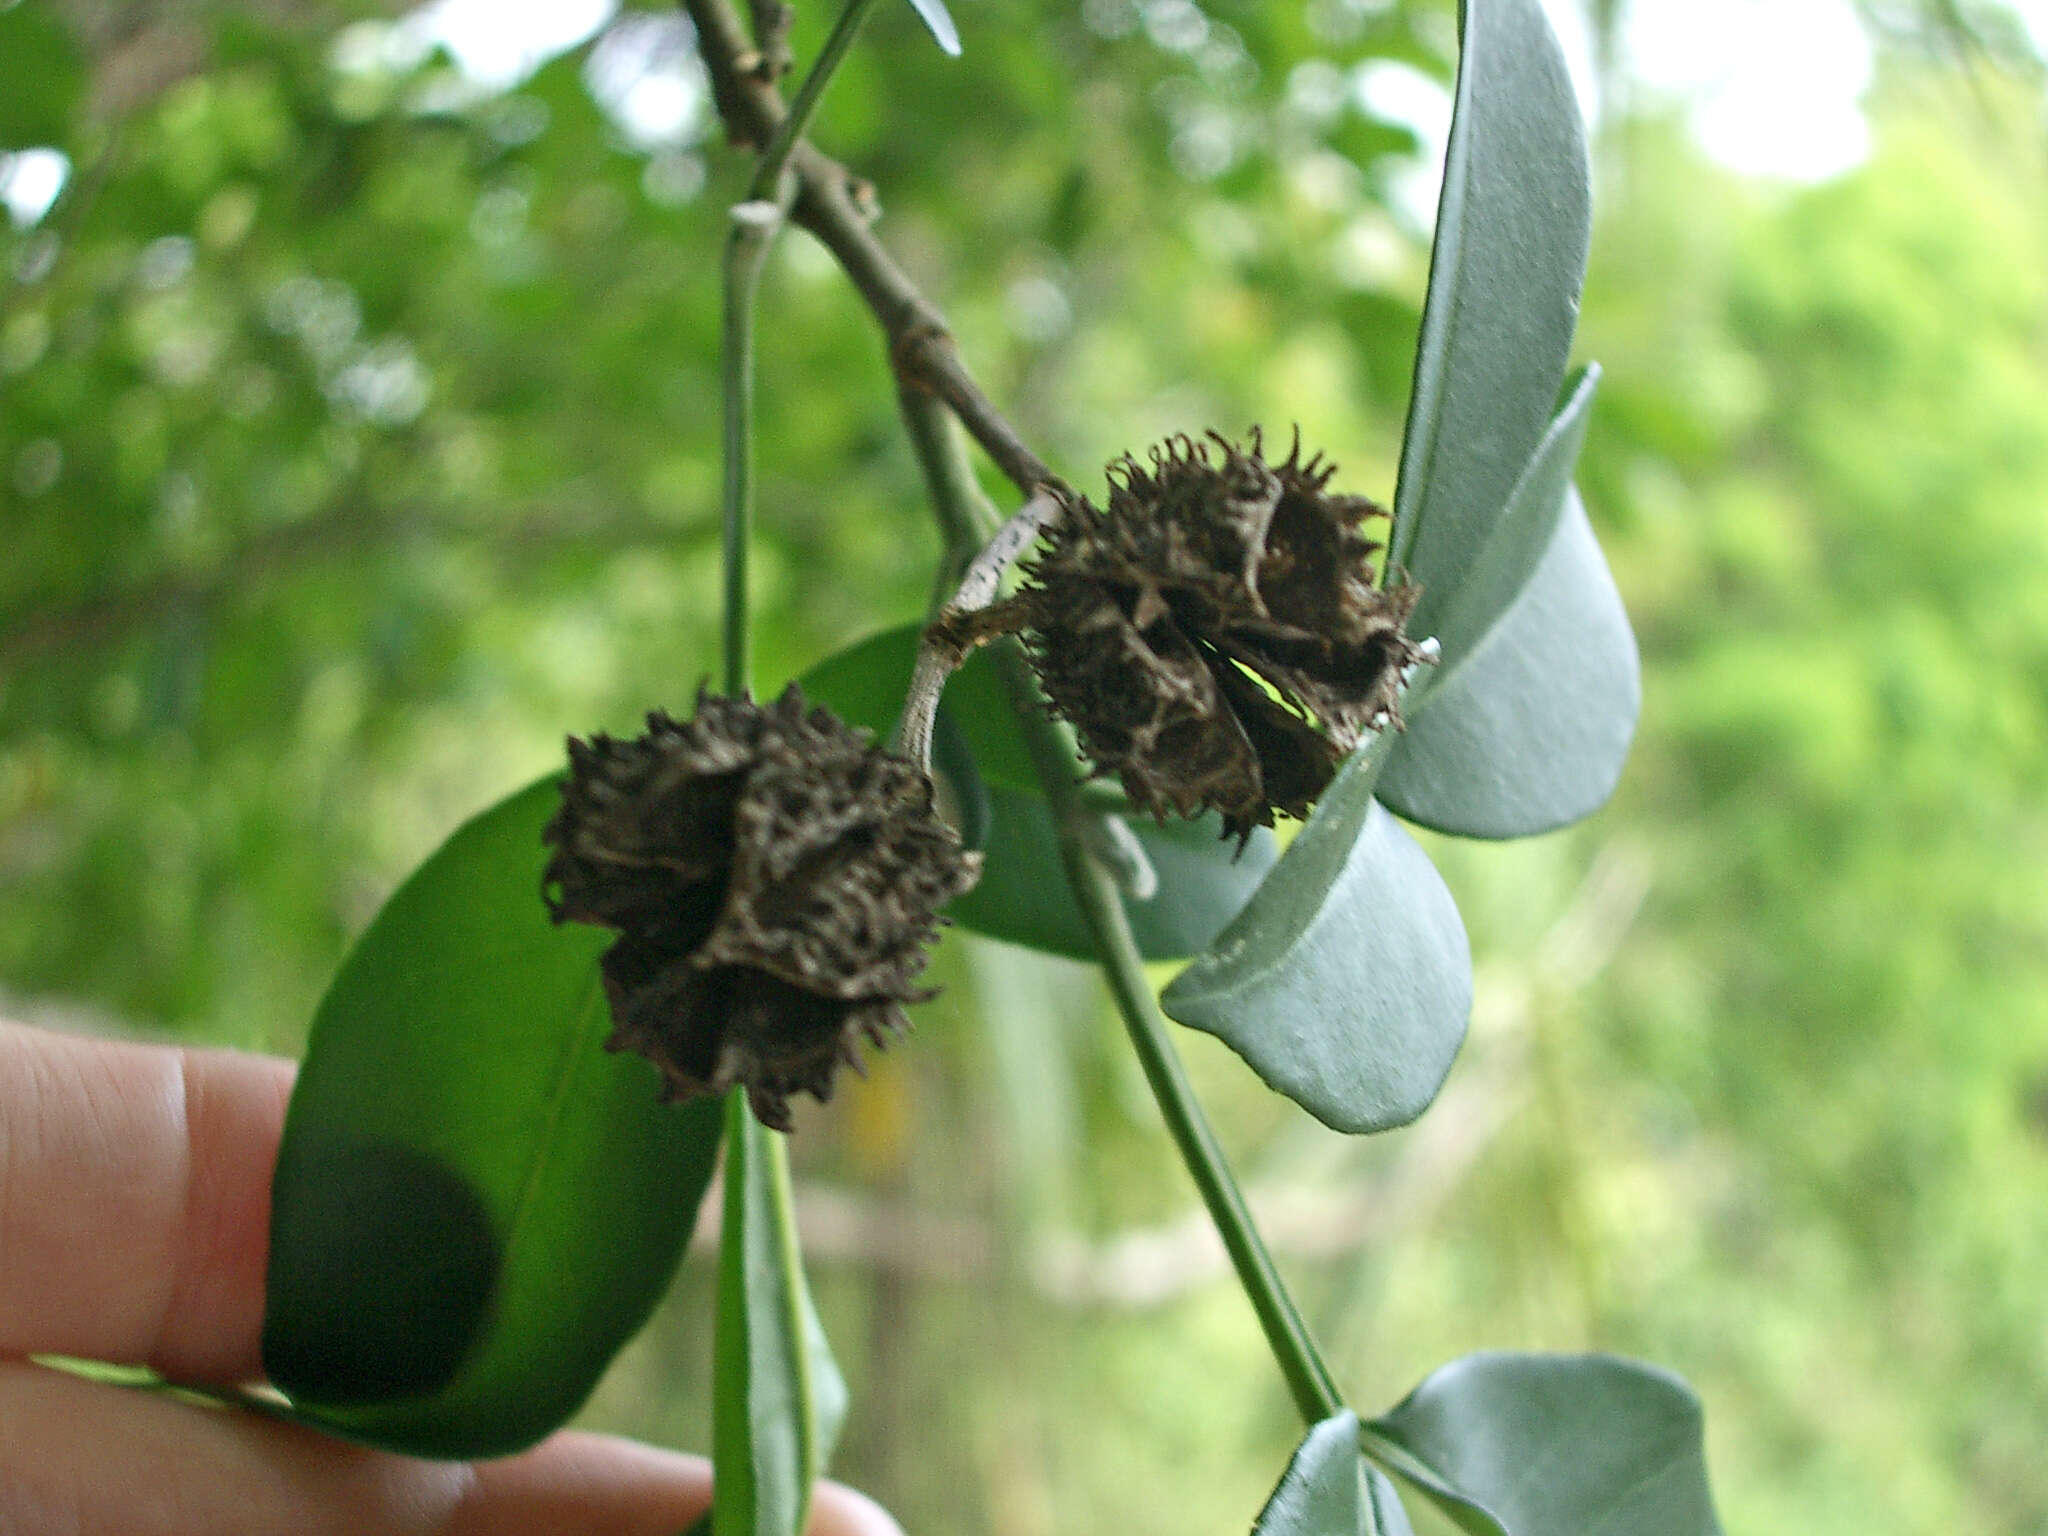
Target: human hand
x=134 y=1222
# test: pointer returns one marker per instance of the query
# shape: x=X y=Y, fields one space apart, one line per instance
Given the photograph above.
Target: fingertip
x=837 y=1510
x=576 y=1482
x=626 y=1486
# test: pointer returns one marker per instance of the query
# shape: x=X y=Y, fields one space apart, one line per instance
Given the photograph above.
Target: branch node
x=1112 y=844
x=866 y=202
x=772 y=20
x=757 y=216
x=919 y=356
x=967 y=621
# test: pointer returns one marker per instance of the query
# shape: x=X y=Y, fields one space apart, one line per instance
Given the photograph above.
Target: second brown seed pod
x=1215 y=634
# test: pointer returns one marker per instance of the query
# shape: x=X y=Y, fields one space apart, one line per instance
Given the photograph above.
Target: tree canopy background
x=358 y=440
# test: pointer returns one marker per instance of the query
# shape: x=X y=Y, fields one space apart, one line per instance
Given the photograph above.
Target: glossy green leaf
x=475 y=1205
x=1346 y=982
x=1556 y=1445
x=1505 y=275
x=1023 y=896
x=940 y=21
x=778 y=1398
x=1531 y=730
x=45 y=77
x=1461 y=615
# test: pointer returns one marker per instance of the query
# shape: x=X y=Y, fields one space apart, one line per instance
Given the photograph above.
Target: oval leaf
x=1505 y=275
x=1517 y=544
x=475 y=1205
x=778 y=1396
x=1531 y=731
x=1346 y=982
x=940 y=21
x=1557 y=1445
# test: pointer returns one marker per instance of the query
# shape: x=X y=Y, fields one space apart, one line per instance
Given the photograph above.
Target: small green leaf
x=1023 y=896
x=1320 y=1493
x=1328 y=1490
x=778 y=1398
x=1530 y=732
x=829 y=1398
x=1508 y=264
x=1555 y=1445
x=45 y=78
x=1346 y=981
x=475 y=1205
x=1464 y=612
x=940 y=22
x=1386 y=1515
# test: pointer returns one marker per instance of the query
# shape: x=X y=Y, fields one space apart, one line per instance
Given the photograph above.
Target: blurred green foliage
x=358 y=440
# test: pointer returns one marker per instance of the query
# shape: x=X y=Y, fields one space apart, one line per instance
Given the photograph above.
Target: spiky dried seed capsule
x=775 y=879
x=1216 y=636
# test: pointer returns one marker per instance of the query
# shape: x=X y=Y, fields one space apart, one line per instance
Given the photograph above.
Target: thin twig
x=772 y=21
x=1095 y=815
x=1308 y=1378
x=951 y=636
x=753 y=230
x=832 y=204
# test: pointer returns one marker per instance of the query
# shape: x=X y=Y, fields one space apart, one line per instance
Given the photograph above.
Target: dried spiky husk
x=1215 y=635
x=775 y=879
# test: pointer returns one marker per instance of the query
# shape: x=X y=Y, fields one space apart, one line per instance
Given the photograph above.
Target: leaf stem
x=967 y=518
x=1308 y=1378
x=746 y=249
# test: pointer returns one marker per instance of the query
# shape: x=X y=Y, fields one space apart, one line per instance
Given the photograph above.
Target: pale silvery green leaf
x=940 y=21
x=1505 y=274
x=1346 y=981
x=1460 y=616
x=1555 y=1445
x=1530 y=732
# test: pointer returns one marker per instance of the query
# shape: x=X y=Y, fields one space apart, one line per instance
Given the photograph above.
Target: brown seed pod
x=1216 y=636
x=775 y=879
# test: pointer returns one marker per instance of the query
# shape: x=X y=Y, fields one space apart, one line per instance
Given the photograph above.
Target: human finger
x=135 y=1201
x=547 y=1487
x=76 y=1455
